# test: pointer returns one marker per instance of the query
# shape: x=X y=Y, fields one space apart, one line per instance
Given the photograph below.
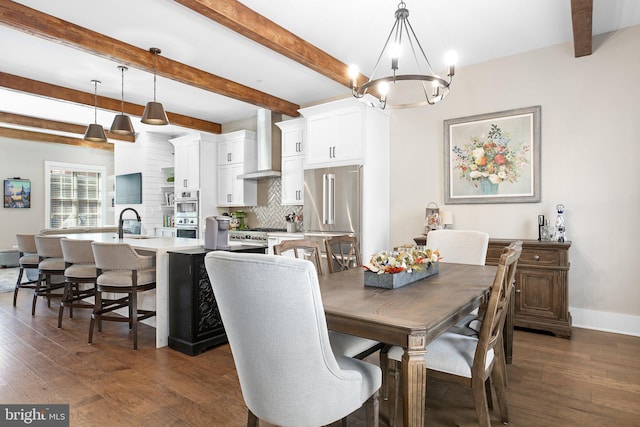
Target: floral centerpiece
x=393 y=269
x=487 y=162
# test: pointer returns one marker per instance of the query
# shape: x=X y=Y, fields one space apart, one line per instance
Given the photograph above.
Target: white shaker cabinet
x=292 y=161
x=187 y=164
x=237 y=155
x=335 y=134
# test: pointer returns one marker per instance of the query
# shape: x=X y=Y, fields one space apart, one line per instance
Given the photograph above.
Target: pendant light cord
x=95 y=102
x=155 y=55
x=122 y=69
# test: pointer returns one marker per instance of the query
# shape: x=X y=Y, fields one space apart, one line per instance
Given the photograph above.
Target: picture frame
x=17 y=193
x=493 y=158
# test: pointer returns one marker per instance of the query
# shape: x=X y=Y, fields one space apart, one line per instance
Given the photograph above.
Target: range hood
x=269 y=146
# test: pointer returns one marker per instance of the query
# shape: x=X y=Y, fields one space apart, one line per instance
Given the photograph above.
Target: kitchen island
x=157 y=299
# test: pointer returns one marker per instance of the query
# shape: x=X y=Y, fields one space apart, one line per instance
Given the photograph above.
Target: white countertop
x=142 y=242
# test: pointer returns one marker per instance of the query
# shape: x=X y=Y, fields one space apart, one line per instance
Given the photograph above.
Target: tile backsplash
x=269 y=213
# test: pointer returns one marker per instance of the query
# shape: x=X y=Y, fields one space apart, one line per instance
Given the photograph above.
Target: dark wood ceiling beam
x=48 y=137
x=582 y=19
x=49 y=27
x=22 y=84
x=34 y=122
x=239 y=18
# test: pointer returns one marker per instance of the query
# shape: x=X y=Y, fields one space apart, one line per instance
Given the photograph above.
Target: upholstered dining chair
x=51 y=265
x=29 y=259
x=475 y=361
x=273 y=315
x=301 y=248
x=343 y=253
x=459 y=246
x=79 y=274
x=121 y=270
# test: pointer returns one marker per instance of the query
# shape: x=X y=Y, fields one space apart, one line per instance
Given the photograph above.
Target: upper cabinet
x=335 y=133
x=293 y=151
x=236 y=156
x=187 y=164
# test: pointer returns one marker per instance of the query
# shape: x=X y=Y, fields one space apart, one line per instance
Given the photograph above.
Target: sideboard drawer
x=540 y=257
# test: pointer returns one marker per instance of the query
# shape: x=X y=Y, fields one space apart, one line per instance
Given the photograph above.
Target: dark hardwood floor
x=591 y=380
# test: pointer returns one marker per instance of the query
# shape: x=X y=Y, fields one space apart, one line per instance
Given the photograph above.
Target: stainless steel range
x=252 y=237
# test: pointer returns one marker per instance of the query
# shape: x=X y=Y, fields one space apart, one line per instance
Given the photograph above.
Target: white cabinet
x=187 y=165
x=195 y=160
x=335 y=134
x=292 y=161
x=237 y=155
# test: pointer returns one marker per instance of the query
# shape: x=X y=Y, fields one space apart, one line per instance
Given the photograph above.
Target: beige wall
x=590 y=154
x=26 y=160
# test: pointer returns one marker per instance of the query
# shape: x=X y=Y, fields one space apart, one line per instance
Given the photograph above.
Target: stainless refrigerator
x=332 y=202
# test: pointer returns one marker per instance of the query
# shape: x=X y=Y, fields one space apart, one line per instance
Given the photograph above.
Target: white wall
x=590 y=156
x=26 y=160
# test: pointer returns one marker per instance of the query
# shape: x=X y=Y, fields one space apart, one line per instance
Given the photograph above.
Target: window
x=74 y=195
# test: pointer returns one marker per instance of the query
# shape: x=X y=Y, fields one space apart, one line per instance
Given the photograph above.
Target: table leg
x=414 y=381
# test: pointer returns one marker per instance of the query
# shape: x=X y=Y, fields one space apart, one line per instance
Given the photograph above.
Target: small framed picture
x=17 y=193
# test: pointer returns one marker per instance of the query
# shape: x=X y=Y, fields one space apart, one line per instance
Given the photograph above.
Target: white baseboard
x=604 y=321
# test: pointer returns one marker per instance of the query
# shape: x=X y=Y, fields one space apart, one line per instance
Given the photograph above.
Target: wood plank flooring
x=591 y=380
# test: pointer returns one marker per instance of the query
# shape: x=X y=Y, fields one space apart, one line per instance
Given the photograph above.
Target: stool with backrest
x=29 y=259
x=273 y=315
x=475 y=361
x=79 y=274
x=51 y=268
x=121 y=270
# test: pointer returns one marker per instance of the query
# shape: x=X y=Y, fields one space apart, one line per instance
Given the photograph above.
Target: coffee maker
x=216 y=234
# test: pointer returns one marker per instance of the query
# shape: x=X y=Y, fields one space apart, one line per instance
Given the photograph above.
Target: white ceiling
x=353 y=31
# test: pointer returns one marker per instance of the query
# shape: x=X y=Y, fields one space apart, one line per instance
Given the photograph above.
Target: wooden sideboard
x=542 y=284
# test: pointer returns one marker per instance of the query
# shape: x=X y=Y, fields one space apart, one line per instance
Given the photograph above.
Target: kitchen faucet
x=121 y=221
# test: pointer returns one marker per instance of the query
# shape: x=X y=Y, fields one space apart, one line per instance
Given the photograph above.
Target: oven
x=251 y=237
x=186 y=227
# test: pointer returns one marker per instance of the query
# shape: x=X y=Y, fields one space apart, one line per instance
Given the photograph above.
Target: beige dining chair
x=28 y=253
x=50 y=268
x=79 y=274
x=121 y=270
x=459 y=246
x=475 y=361
x=273 y=315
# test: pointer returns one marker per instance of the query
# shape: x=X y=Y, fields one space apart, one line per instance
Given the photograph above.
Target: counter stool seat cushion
x=81 y=271
x=29 y=261
x=52 y=264
x=114 y=278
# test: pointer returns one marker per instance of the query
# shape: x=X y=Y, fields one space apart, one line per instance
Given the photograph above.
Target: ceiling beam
x=34 y=122
x=22 y=84
x=48 y=137
x=49 y=27
x=243 y=20
x=582 y=19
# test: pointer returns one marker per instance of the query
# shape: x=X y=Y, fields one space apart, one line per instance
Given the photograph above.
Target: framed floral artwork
x=493 y=158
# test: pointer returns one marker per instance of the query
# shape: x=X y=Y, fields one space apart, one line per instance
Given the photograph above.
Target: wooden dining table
x=410 y=316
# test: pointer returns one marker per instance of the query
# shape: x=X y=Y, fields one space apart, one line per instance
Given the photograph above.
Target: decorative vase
x=488 y=187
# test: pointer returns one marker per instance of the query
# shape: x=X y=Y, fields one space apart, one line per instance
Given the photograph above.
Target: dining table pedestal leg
x=414 y=381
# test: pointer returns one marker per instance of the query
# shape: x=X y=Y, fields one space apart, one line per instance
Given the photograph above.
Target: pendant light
x=122 y=123
x=95 y=132
x=154 y=111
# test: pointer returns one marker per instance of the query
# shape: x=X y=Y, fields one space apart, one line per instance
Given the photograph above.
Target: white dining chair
x=459 y=246
x=272 y=311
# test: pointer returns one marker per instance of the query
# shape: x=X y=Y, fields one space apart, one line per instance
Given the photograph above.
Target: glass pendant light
x=122 y=123
x=154 y=111
x=95 y=132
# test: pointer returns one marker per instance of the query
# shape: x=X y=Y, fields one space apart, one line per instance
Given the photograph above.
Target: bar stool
x=121 y=270
x=28 y=260
x=80 y=270
x=51 y=264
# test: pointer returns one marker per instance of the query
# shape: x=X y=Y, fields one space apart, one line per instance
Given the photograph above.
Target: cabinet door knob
x=537 y=257
x=518 y=291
